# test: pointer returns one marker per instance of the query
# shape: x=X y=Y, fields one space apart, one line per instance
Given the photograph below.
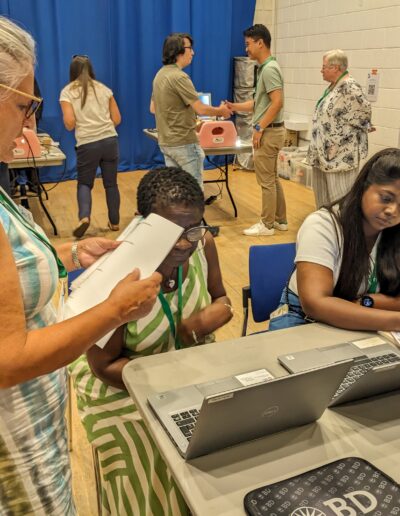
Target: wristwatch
x=258 y=128
x=367 y=301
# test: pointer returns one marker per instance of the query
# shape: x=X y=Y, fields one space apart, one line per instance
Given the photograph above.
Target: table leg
x=225 y=172
x=40 y=189
x=227 y=185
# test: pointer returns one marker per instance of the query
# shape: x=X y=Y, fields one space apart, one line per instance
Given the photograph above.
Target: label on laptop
x=369 y=342
x=253 y=377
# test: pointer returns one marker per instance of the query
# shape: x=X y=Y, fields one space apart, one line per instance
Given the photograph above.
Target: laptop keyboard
x=186 y=421
x=363 y=366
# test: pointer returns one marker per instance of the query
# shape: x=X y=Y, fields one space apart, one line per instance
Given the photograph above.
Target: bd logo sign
x=352 y=504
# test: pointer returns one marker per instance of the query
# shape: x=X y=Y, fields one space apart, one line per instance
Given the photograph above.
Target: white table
x=215 y=485
x=51 y=157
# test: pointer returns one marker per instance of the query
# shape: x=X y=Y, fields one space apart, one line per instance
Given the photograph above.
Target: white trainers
x=281 y=227
x=259 y=229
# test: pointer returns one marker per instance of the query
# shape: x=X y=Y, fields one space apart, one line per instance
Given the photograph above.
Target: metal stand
x=36 y=190
x=224 y=179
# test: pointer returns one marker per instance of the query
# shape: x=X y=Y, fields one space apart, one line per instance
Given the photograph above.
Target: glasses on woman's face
x=34 y=104
x=195 y=234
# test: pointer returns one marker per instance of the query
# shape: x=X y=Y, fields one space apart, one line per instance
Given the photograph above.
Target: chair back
x=72 y=275
x=269 y=269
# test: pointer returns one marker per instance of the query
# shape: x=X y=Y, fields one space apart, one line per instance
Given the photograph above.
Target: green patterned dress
x=135 y=480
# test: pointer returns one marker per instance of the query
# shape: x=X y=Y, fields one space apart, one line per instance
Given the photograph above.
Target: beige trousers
x=273 y=205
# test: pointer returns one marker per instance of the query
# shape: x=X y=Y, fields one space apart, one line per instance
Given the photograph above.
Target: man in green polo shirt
x=268 y=130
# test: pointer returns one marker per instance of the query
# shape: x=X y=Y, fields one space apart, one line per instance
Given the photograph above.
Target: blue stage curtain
x=124 y=41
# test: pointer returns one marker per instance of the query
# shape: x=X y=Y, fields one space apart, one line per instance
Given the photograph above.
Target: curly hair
x=166 y=186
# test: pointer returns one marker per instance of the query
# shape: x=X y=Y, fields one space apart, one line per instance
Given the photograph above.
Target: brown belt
x=276 y=124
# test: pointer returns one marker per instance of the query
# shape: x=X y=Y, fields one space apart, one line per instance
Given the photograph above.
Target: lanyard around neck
x=167 y=309
x=12 y=208
x=331 y=87
x=372 y=281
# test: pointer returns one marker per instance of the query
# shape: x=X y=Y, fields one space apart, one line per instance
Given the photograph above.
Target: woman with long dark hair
x=90 y=108
x=348 y=256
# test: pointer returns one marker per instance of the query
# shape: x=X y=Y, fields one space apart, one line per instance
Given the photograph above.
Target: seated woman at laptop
x=348 y=256
x=191 y=305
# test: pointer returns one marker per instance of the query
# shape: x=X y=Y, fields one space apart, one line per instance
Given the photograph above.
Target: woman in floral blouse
x=339 y=139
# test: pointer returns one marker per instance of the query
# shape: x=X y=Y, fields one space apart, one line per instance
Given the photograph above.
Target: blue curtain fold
x=124 y=41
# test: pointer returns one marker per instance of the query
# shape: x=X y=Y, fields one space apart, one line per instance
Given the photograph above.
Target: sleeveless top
x=34 y=462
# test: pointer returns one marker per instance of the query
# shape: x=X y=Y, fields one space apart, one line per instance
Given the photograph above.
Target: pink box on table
x=217 y=133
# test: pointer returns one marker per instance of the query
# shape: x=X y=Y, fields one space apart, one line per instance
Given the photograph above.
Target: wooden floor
x=233 y=253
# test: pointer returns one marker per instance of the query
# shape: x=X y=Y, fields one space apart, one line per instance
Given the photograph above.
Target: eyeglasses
x=328 y=66
x=33 y=105
x=195 y=234
x=84 y=56
x=191 y=48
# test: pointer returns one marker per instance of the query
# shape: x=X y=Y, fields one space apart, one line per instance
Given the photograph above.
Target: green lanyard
x=271 y=58
x=12 y=208
x=167 y=309
x=330 y=88
x=372 y=281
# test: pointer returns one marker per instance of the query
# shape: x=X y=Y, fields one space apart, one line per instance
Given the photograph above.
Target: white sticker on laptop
x=253 y=377
x=369 y=342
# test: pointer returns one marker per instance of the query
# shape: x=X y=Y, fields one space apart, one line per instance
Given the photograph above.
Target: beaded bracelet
x=75 y=257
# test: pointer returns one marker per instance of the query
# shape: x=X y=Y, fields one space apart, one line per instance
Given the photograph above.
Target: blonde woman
x=34 y=348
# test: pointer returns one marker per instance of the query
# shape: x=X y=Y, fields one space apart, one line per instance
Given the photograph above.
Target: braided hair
x=166 y=186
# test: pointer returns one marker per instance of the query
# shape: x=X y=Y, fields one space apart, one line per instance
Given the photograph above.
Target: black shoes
x=81 y=228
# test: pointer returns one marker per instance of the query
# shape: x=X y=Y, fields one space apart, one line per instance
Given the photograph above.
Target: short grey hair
x=337 y=57
x=17 y=54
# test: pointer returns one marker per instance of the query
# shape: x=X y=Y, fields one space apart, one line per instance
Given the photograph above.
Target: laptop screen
x=205 y=99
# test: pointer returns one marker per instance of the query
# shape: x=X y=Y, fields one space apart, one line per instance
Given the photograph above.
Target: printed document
x=145 y=244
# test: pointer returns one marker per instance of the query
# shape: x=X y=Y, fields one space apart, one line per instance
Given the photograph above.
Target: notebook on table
x=375 y=369
x=210 y=416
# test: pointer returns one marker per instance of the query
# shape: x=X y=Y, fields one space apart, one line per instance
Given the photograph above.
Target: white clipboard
x=145 y=244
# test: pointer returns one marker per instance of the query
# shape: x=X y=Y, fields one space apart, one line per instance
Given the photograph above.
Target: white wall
x=367 y=30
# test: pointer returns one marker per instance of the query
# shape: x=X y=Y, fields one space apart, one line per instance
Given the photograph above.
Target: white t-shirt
x=319 y=242
x=93 y=121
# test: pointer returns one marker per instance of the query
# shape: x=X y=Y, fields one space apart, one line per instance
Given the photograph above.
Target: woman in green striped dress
x=191 y=305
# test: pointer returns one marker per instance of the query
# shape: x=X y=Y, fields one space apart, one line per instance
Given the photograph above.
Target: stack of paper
x=145 y=244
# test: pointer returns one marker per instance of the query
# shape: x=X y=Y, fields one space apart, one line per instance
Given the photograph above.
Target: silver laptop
x=375 y=369
x=207 y=417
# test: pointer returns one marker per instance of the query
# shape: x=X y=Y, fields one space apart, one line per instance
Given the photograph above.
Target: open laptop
x=207 y=417
x=375 y=368
x=205 y=99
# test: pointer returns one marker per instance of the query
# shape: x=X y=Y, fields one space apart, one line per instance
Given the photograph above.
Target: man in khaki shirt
x=175 y=103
